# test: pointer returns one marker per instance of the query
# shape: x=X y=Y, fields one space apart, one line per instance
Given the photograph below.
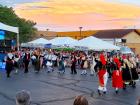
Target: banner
x=2 y=35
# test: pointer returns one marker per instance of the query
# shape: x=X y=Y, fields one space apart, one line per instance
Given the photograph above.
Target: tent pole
x=18 y=41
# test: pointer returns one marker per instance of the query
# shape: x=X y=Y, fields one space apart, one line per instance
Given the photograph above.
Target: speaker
x=8 y=42
x=5 y=45
x=123 y=40
x=2 y=43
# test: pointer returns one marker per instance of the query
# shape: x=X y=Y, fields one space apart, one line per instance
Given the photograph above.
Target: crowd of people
x=123 y=69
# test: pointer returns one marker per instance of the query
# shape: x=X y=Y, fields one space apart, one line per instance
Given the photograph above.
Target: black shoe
x=48 y=71
x=116 y=91
x=8 y=76
x=104 y=92
x=124 y=86
x=99 y=92
x=134 y=85
x=25 y=71
x=109 y=77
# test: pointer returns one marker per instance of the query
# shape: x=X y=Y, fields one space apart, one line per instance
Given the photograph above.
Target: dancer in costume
x=129 y=73
x=117 y=81
x=102 y=75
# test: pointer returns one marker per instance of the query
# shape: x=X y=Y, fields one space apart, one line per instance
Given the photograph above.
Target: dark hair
x=80 y=100
x=23 y=98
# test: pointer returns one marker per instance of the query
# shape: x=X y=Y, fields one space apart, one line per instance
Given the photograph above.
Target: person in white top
x=92 y=66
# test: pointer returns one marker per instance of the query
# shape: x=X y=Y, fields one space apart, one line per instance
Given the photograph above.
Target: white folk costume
x=102 y=76
x=85 y=66
x=92 y=66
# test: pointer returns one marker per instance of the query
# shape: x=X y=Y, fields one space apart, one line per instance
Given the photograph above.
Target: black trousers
x=109 y=71
x=26 y=66
x=73 y=69
x=8 y=71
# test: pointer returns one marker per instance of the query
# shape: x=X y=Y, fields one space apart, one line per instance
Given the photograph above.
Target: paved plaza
x=60 y=89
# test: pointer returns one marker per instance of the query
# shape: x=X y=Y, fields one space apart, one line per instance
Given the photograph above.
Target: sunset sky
x=68 y=15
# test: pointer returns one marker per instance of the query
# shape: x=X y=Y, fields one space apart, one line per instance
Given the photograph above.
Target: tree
x=26 y=27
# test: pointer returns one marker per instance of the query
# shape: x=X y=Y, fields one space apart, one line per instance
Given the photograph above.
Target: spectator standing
x=23 y=98
x=80 y=100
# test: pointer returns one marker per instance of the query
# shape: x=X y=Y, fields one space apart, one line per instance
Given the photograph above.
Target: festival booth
x=62 y=42
x=4 y=28
x=126 y=50
x=41 y=43
x=93 y=43
x=11 y=29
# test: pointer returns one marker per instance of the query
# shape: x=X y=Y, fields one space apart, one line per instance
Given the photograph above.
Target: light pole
x=47 y=32
x=47 y=29
x=80 y=31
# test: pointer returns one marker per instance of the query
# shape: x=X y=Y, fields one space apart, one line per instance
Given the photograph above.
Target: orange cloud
x=79 y=12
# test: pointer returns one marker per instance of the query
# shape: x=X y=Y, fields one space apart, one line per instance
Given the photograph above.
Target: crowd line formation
x=123 y=69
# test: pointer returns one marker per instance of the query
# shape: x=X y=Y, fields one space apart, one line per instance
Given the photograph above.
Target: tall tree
x=26 y=27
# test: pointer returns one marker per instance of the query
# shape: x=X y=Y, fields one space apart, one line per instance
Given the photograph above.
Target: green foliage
x=64 y=49
x=26 y=27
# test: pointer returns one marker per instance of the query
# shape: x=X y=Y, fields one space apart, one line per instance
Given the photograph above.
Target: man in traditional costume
x=73 y=65
x=9 y=65
x=26 y=61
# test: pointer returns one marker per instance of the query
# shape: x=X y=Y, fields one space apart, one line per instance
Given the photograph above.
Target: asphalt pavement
x=61 y=89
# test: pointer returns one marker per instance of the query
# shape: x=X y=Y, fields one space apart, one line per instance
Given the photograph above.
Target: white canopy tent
x=11 y=29
x=95 y=44
x=126 y=50
x=62 y=41
x=39 y=41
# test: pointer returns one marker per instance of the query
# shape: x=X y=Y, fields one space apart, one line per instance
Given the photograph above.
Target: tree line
x=26 y=27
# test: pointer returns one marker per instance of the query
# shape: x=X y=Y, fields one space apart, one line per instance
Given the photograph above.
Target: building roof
x=46 y=34
x=77 y=33
x=118 y=33
x=73 y=34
